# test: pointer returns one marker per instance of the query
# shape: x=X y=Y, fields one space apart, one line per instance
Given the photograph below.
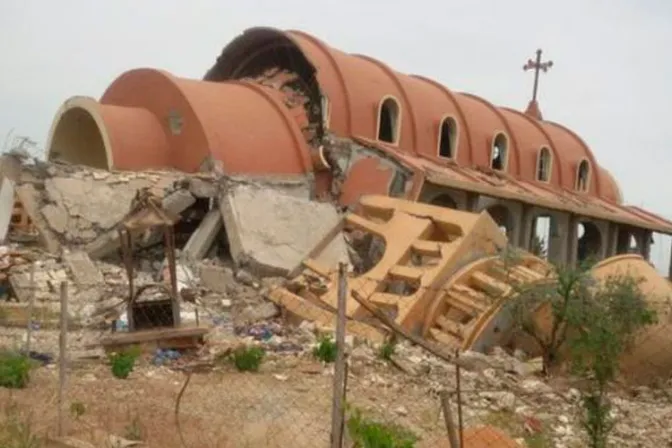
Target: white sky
x=610 y=81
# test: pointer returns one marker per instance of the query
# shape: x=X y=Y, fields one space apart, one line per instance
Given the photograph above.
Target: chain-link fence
x=275 y=384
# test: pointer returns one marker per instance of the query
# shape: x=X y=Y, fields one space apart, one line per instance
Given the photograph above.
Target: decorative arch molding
x=500 y=135
x=454 y=137
x=397 y=121
x=91 y=108
x=583 y=165
x=588 y=154
x=512 y=142
x=545 y=157
x=551 y=143
x=456 y=104
x=407 y=101
x=444 y=199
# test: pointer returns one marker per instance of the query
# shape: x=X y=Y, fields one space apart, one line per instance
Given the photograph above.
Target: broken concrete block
x=202 y=188
x=28 y=196
x=56 y=217
x=264 y=311
x=270 y=233
x=216 y=278
x=6 y=206
x=201 y=240
x=85 y=273
x=93 y=201
x=175 y=203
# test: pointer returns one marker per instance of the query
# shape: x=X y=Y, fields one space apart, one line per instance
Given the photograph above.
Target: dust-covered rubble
x=226 y=272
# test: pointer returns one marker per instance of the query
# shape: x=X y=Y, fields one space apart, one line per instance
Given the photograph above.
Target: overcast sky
x=610 y=81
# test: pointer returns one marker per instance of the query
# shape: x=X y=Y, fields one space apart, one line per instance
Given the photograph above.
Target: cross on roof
x=537 y=65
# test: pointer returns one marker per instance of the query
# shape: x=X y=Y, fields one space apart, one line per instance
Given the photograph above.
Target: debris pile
x=251 y=255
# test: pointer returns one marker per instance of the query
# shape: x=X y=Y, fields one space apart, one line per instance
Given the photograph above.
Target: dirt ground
x=286 y=404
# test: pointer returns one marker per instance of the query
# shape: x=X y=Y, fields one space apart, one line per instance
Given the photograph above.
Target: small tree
x=618 y=309
x=596 y=322
x=563 y=292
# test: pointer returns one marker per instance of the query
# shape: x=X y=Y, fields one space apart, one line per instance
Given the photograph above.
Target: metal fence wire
x=271 y=383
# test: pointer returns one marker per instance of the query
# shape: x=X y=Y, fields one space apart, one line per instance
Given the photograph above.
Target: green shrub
x=123 y=362
x=367 y=433
x=326 y=349
x=77 y=409
x=387 y=350
x=14 y=370
x=248 y=359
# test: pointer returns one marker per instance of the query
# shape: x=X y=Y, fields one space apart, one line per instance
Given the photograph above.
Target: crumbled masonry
x=261 y=254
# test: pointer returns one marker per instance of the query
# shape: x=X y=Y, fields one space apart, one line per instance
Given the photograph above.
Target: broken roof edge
x=622 y=214
x=498 y=192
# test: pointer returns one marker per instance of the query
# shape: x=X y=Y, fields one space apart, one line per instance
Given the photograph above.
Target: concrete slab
x=6 y=206
x=270 y=232
x=28 y=196
x=201 y=240
x=175 y=203
x=85 y=273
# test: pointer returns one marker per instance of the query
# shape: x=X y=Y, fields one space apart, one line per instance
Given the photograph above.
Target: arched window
x=583 y=176
x=499 y=152
x=388 y=121
x=448 y=138
x=544 y=164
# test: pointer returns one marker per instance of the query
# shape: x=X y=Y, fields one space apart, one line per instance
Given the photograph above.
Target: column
x=472 y=201
x=645 y=246
x=524 y=227
x=572 y=240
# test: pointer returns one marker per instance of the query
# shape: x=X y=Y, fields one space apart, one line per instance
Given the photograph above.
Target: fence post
x=337 y=417
x=458 y=382
x=31 y=307
x=448 y=419
x=62 y=359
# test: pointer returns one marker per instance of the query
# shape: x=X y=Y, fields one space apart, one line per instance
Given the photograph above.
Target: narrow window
x=583 y=176
x=499 y=153
x=544 y=165
x=388 y=121
x=447 y=138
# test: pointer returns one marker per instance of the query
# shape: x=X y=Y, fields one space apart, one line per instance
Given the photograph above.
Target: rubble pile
x=237 y=239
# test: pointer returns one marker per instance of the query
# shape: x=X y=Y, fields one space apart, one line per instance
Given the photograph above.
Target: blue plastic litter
x=162 y=356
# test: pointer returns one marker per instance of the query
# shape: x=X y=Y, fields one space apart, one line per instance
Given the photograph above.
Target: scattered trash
x=121 y=324
x=44 y=358
x=161 y=357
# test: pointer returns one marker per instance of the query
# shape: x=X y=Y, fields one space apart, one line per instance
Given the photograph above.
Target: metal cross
x=537 y=65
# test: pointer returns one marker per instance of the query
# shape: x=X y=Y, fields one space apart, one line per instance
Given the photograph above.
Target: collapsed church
x=273 y=98
x=285 y=105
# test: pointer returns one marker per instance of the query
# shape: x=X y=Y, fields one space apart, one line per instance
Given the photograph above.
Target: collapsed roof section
x=356 y=87
x=273 y=96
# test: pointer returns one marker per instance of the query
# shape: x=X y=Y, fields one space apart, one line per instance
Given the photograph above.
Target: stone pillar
x=472 y=201
x=558 y=242
x=572 y=240
x=645 y=246
x=525 y=227
x=612 y=244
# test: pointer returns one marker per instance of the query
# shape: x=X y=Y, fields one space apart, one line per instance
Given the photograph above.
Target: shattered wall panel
x=270 y=232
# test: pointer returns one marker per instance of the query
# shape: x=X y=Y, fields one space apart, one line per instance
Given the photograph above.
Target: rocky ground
x=288 y=402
